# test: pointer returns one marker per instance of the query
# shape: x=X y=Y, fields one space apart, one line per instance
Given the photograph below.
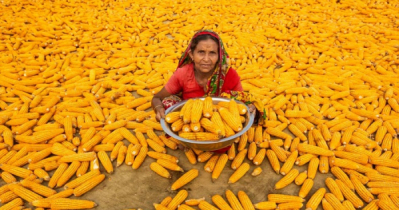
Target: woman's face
x=205 y=55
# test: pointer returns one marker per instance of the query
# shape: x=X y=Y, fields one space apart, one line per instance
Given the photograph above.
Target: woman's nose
x=206 y=57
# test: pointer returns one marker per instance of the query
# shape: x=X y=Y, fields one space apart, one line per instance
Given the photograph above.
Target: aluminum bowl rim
x=172 y=134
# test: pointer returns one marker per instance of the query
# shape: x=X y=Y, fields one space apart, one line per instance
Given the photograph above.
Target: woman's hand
x=252 y=108
x=160 y=112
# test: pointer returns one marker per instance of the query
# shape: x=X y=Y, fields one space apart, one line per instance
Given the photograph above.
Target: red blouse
x=183 y=80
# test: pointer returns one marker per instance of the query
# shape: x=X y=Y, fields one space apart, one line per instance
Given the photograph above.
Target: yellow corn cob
x=87 y=156
x=260 y=156
x=84 y=166
x=276 y=132
x=266 y=205
x=160 y=207
x=13 y=204
x=301 y=178
x=210 y=165
x=361 y=189
x=313 y=166
x=166 y=201
x=7 y=177
x=67 y=203
x=220 y=202
x=59 y=149
x=208 y=107
x=242 y=143
x=287 y=179
x=177 y=125
x=82 y=179
x=233 y=109
x=17 y=171
x=289 y=163
x=315 y=199
x=240 y=172
x=232 y=122
x=140 y=158
x=69 y=172
x=257 y=171
x=190 y=156
x=203 y=205
x=307 y=148
x=258 y=138
x=245 y=201
x=38 y=188
x=121 y=155
x=7 y=197
x=306 y=187
x=233 y=200
x=231 y=153
x=294 y=129
x=24 y=193
x=239 y=159
x=349 y=194
x=210 y=126
x=196 y=111
x=41 y=174
x=281 y=198
x=155 y=146
x=204 y=156
x=169 y=165
x=178 y=199
x=157 y=168
x=252 y=151
x=186 y=178
x=57 y=174
x=290 y=205
x=220 y=164
x=297 y=114
x=172 y=117
x=157 y=155
x=273 y=160
x=88 y=185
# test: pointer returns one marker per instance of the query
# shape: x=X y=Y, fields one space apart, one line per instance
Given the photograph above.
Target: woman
x=202 y=71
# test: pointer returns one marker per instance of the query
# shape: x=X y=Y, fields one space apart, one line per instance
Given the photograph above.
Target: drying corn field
x=77 y=128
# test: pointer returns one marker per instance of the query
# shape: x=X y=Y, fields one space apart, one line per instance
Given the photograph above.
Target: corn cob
x=7 y=197
x=266 y=205
x=232 y=122
x=220 y=164
x=301 y=178
x=140 y=157
x=315 y=199
x=289 y=163
x=24 y=193
x=307 y=148
x=196 y=111
x=208 y=107
x=239 y=159
x=69 y=172
x=245 y=201
x=178 y=199
x=186 y=178
x=67 y=203
x=13 y=204
x=233 y=201
x=349 y=194
x=205 y=205
x=287 y=179
x=240 y=172
x=88 y=185
x=157 y=168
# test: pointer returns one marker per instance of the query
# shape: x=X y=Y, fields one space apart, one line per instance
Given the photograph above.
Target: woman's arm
x=157 y=105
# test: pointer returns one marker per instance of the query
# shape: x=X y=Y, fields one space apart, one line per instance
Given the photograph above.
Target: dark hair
x=203 y=37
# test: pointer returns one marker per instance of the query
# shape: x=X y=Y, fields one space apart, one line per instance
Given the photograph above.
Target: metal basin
x=207 y=145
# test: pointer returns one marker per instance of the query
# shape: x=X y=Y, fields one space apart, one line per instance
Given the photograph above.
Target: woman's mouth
x=206 y=65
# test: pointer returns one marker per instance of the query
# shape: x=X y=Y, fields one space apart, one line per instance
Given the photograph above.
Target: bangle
x=157 y=106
